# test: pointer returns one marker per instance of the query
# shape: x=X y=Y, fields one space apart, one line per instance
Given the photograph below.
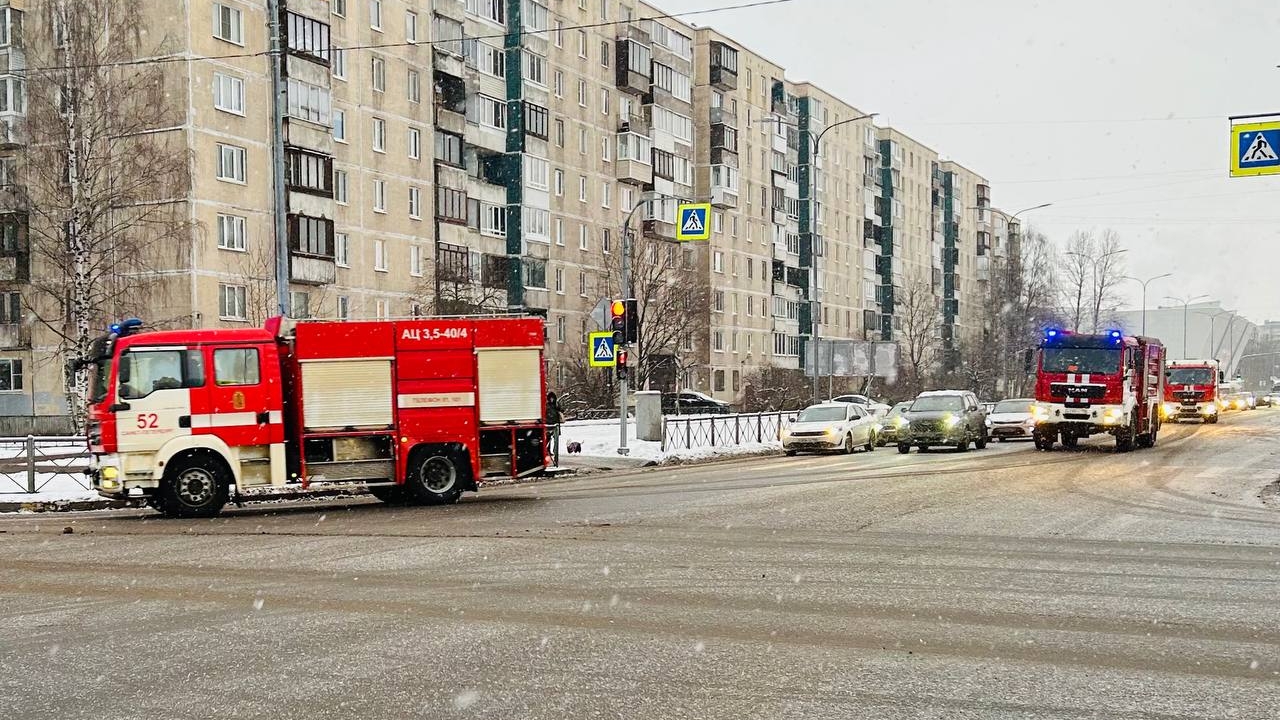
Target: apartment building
x=462 y=156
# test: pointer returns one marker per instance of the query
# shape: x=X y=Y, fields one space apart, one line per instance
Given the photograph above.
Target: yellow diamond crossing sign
x=693 y=222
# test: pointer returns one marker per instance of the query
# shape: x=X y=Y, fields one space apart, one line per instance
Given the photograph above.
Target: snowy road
x=1001 y=583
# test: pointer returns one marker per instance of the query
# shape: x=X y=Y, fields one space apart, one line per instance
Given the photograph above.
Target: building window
x=535 y=70
x=606 y=194
x=228 y=93
x=342 y=249
x=415 y=143
x=559 y=182
x=415 y=260
x=379 y=135
x=535 y=172
x=536 y=120
x=375 y=14
x=338 y=63
x=379 y=196
x=449 y=148
x=231 y=232
x=493 y=220
x=717 y=344
x=717 y=261
x=308 y=37
x=231 y=302
x=484 y=110
x=381 y=310
x=380 y=255
x=415 y=203
x=299 y=309
x=231 y=163
x=560 y=328
x=582 y=188
x=451 y=205
x=378 y=68
x=10 y=375
x=582 y=93
x=606 y=241
x=309 y=102
x=343 y=307
x=582 y=44
x=582 y=283
x=411 y=26
x=340 y=187
x=311 y=236
x=308 y=172
x=582 y=237
x=559 y=281
x=228 y=24
x=10 y=308
x=559 y=133
x=414 y=85
x=558 y=84
x=340 y=126
x=486 y=58
x=491 y=10
x=537 y=224
x=338 y=7
x=448 y=35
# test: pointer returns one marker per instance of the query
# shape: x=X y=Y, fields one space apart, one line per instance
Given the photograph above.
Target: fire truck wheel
x=1126 y=438
x=1070 y=441
x=436 y=477
x=194 y=486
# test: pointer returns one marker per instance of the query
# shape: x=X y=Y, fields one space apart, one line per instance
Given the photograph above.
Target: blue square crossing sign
x=600 y=350
x=693 y=222
x=1255 y=148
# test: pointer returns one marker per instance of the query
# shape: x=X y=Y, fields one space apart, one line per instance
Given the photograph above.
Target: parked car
x=692 y=402
x=988 y=407
x=830 y=426
x=878 y=409
x=892 y=423
x=1012 y=419
x=1272 y=398
x=944 y=417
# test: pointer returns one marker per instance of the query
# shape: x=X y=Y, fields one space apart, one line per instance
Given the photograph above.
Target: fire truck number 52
x=147 y=420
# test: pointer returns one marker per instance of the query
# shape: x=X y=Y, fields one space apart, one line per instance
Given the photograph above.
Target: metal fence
x=28 y=464
x=712 y=431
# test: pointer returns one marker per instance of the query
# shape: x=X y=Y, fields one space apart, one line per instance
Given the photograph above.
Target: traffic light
x=618 y=309
x=621 y=368
x=633 y=321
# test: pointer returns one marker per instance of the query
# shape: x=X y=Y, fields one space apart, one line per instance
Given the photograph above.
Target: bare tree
x=1077 y=277
x=1108 y=276
x=451 y=286
x=673 y=303
x=919 y=343
x=770 y=389
x=105 y=171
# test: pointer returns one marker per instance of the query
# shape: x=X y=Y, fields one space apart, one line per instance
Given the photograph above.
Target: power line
x=1215 y=171
x=1076 y=121
x=380 y=46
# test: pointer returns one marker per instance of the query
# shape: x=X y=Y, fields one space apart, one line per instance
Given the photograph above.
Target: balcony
x=310 y=270
x=724 y=144
x=632 y=62
x=633 y=172
x=724 y=66
x=725 y=198
x=11 y=134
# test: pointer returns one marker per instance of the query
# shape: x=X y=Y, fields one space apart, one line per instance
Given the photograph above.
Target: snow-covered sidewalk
x=600 y=439
x=51 y=487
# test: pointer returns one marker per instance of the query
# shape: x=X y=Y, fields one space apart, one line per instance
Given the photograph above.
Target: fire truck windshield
x=1082 y=360
x=1191 y=376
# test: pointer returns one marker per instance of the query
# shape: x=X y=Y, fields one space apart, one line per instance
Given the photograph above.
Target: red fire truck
x=1090 y=384
x=1191 y=391
x=421 y=410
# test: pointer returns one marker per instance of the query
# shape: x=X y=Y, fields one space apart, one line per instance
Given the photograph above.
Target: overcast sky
x=1116 y=112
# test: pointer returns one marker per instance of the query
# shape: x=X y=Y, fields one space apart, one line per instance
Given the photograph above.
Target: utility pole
x=279 y=105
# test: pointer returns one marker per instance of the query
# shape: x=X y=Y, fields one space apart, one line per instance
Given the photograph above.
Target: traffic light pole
x=625 y=373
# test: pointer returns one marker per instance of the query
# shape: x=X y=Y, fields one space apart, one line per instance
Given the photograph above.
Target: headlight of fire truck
x=1209 y=409
x=1039 y=414
x=1111 y=416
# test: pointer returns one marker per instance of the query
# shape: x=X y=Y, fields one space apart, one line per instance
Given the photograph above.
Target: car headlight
x=899 y=422
x=950 y=421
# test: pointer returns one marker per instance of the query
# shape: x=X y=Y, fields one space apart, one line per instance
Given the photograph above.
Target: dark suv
x=944 y=417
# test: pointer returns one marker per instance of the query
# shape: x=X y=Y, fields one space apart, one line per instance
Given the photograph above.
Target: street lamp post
x=1185 y=304
x=1093 y=262
x=1213 y=331
x=1144 y=283
x=813 y=222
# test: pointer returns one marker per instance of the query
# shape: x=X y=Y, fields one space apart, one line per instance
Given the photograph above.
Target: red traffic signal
x=621 y=357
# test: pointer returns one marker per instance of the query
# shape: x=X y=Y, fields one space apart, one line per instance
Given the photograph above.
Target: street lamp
x=1146 y=282
x=1213 y=319
x=1093 y=262
x=1185 y=304
x=814 y=319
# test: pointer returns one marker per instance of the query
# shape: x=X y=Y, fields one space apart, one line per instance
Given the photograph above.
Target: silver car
x=1012 y=419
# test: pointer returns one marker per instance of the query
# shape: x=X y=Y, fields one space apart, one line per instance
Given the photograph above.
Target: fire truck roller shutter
x=510 y=390
x=346 y=393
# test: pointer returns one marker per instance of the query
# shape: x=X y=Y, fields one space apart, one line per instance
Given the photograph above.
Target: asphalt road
x=1004 y=583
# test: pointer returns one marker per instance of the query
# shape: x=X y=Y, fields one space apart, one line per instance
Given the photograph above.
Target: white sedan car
x=830 y=426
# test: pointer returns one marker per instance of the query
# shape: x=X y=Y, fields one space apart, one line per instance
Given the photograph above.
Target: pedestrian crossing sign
x=600 y=349
x=692 y=222
x=1255 y=148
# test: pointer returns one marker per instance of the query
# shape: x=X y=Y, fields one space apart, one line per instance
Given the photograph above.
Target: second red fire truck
x=1091 y=384
x=1191 y=391
x=421 y=410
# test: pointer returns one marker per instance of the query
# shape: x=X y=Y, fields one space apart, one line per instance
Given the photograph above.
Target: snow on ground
x=600 y=438
x=51 y=486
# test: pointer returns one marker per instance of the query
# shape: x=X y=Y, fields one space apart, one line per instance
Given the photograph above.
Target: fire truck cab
x=1191 y=391
x=420 y=410
x=1091 y=384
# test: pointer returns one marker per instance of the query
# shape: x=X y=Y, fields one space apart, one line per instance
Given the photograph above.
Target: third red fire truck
x=421 y=410
x=1091 y=384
